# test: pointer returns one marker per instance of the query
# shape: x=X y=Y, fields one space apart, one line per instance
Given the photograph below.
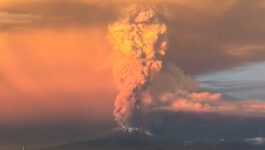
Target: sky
x=56 y=79
x=244 y=82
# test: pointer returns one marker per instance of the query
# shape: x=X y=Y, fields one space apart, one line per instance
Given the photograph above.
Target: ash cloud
x=148 y=83
x=213 y=39
x=139 y=40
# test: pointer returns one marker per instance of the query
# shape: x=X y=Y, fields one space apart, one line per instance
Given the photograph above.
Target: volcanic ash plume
x=139 y=40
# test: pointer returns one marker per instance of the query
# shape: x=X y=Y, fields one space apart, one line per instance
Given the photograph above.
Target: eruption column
x=139 y=41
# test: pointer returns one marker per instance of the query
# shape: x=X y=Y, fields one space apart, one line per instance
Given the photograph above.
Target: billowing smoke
x=146 y=83
x=139 y=40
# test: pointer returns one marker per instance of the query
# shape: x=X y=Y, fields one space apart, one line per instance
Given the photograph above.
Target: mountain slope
x=138 y=141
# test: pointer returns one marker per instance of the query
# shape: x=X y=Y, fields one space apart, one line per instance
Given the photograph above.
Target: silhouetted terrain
x=139 y=141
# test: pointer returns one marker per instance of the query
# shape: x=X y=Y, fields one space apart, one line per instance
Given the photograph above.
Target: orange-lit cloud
x=54 y=73
x=208 y=102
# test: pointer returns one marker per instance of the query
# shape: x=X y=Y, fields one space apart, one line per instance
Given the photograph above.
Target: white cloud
x=256 y=140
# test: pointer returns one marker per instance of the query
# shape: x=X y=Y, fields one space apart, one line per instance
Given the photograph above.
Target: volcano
x=140 y=141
